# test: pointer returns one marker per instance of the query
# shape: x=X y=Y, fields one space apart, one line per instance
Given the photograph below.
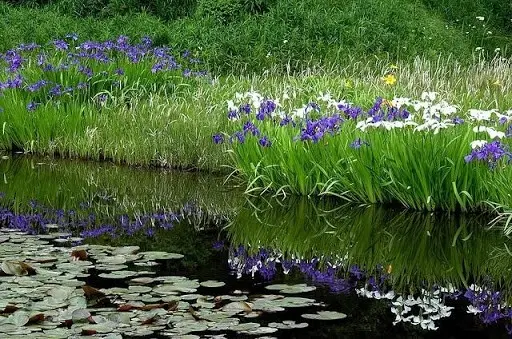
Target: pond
x=110 y=251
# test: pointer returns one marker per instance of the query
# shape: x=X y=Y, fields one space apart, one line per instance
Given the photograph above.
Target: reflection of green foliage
x=111 y=190
x=421 y=248
x=183 y=239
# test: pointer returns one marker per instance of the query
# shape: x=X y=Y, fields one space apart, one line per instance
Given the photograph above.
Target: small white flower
x=495 y=134
x=232 y=106
x=479 y=115
x=428 y=96
x=480 y=18
x=478 y=143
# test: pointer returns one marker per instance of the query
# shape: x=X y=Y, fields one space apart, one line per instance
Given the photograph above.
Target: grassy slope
x=323 y=32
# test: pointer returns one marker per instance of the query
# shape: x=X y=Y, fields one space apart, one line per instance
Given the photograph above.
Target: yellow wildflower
x=389 y=79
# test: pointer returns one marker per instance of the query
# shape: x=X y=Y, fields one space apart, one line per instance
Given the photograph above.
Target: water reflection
x=371 y=250
x=417 y=250
x=111 y=189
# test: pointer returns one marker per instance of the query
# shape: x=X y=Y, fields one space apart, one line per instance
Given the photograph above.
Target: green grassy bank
x=254 y=35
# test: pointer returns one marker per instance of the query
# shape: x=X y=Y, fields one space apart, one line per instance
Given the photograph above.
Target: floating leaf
x=79 y=254
x=80 y=315
x=288 y=324
x=212 y=283
x=291 y=289
x=239 y=306
x=325 y=315
x=156 y=255
x=18 y=268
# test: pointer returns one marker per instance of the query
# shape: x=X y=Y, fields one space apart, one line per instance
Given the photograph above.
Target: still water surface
x=360 y=259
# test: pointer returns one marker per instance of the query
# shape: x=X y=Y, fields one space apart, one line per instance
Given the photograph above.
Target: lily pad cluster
x=47 y=291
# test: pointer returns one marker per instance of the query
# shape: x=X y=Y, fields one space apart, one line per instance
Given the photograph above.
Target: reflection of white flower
x=473 y=310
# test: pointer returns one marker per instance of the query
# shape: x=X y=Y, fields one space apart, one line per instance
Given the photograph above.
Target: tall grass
x=168 y=120
x=417 y=169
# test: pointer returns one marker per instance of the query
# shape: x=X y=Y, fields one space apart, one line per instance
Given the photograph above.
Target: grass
x=279 y=32
x=417 y=170
x=147 y=124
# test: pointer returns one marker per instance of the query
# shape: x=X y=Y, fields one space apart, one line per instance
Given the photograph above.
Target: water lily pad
x=19 y=318
x=125 y=250
x=118 y=275
x=156 y=255
x=212 y=283
x=238 y=306
x=142 y=280
x=291 y=289
x=260 y=331
x=288 y=324
x=325 y=315
x=15 y=268
x=139 y=289
x=80 y=315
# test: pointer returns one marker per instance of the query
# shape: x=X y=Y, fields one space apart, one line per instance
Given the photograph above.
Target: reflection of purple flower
x=218 y=245
x=356 y=272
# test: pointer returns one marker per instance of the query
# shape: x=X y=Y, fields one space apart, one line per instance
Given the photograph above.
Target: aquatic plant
x=421 y=154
